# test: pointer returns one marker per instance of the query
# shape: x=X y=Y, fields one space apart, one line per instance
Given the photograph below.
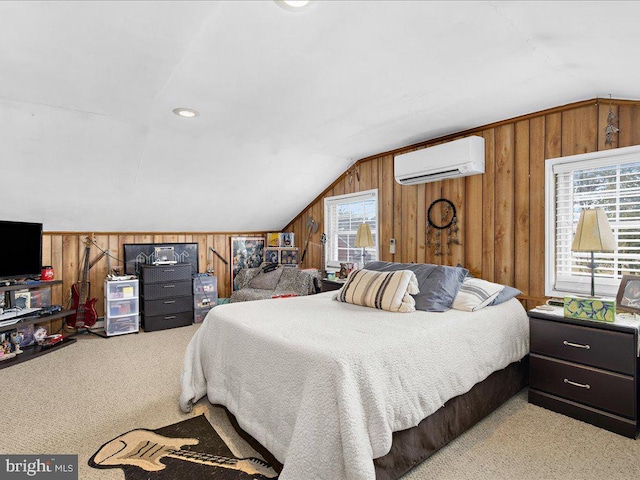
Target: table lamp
x=364 y=239
x=593 y=234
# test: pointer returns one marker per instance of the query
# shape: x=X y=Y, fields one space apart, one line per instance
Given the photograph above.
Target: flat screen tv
x=20 y=249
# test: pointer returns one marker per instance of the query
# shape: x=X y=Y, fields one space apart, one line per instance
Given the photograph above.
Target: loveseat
x=254 y=284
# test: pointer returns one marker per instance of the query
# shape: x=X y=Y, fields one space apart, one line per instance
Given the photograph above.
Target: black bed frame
x=412 y=446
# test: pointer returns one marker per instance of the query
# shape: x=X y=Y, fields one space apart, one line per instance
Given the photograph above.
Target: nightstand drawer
x=600 y=348
x=608 y=391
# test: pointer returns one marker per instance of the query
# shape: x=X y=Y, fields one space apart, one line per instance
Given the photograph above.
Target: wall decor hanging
x=611 y=128
x=353 y=169
x=442 y=215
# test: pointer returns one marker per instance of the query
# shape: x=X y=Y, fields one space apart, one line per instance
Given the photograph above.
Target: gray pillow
x=266 y=281
x=439 y=284
x=469 y=275
x=507 y=293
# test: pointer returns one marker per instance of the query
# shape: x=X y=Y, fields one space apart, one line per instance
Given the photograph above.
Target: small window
x=342 y=216
x=610 y=180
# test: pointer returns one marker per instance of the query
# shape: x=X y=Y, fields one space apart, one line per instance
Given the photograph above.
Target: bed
x=327 y=387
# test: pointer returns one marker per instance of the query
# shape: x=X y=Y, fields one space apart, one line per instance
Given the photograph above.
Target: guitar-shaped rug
x=187 y=450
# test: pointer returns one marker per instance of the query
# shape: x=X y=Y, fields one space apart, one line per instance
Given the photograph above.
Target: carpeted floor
x=76 y=399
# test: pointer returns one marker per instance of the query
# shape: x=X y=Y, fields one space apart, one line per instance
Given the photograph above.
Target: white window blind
x=342 y=216
x=612 y=182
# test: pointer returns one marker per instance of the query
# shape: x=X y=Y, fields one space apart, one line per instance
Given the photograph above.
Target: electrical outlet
x=392 y=246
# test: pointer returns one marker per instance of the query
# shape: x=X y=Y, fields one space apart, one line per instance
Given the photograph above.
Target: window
x=610 y=180
x=342 y=216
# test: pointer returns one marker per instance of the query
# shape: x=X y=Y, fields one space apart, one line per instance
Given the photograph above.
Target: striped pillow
x=475 y=294
x=389 y=291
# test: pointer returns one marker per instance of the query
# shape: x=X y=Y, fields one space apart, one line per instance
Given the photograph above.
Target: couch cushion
x=248 y=294
x=438 y=284
x=266 y=281
x=294 y=280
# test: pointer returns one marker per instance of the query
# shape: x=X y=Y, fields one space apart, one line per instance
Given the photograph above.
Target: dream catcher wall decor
x=442 y=216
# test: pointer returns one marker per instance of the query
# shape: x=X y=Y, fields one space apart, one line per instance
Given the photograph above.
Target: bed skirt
x=412 y=446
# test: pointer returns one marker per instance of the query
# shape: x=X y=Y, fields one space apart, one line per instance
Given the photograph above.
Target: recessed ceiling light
x=186 y=112
x=292 y=5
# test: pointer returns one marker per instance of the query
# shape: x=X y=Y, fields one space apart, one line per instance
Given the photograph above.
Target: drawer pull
x=168 y=286
x=577 y=345
x=170 y=317
x=575 y=384
x=169 y=301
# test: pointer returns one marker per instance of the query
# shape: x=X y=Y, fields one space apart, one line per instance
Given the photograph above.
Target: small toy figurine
x=6 y=348
x=344 y=271
x=39 y=335
x=16 y=339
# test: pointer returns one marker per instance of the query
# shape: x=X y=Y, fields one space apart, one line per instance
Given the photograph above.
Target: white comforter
x=323 y=384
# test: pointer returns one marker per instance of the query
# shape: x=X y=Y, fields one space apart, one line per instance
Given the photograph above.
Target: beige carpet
x=76 y=399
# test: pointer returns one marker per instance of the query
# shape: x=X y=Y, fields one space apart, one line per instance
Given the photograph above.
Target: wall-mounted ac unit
x=459 y=158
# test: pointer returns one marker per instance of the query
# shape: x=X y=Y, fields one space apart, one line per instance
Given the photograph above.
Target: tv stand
x=33 y=351
x=21 y=285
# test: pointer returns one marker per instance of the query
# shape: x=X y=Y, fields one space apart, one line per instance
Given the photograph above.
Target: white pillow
x=475 y=294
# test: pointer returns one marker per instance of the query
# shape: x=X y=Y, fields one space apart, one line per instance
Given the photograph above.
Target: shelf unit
x=205 y=296
x=121 y=307
x=29 y=285
x=33 y=351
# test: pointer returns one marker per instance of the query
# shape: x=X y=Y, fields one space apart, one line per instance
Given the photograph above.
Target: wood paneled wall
x=65 y=252
x=500 y=213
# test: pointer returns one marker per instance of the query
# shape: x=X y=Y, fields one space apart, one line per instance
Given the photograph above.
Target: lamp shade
x=363 y=237
x=593 y=233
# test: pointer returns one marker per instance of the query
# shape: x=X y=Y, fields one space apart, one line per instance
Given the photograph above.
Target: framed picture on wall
x=287 y=239
x=273 y=239
x=628 y=297
x=246 y=252
x=272 y=255
x=289 y=256
x=138 y=254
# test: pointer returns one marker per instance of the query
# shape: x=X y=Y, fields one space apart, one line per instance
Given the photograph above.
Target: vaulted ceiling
x=287 y=100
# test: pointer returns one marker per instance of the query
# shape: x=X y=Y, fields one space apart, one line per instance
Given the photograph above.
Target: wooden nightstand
x=585 y=369
x=329 y=285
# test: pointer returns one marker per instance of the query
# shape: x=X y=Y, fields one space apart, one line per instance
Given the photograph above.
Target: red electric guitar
x=86 y=315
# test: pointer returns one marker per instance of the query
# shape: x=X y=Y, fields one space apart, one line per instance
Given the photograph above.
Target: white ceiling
x=287 y=100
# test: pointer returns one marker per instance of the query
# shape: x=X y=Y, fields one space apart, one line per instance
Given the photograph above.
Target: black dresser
x=585 y=369
x=167 y=297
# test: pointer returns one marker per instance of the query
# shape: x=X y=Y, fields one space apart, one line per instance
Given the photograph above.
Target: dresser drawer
x=166 y=273
x=608 y=391
x=167 y=305
x=162 y=322
x=600 y=348
x=155 y=291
